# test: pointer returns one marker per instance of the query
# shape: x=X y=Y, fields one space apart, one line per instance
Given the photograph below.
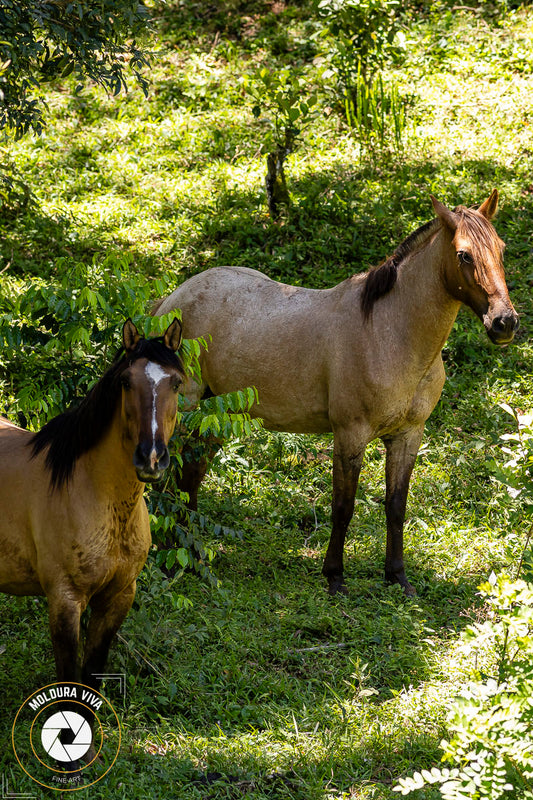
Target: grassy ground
x=266 y=688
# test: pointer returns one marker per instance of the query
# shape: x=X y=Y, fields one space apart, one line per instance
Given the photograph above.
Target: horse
x=74 y=525
x=361 y=359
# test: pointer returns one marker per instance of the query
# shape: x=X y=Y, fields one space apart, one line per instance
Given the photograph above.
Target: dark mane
x=381 y=279
x=77 y=430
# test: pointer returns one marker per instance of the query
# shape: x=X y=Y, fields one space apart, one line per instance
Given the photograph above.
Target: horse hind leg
x=193 y=471
x=197 y=452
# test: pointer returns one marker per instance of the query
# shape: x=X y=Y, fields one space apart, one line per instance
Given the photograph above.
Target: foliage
x=516 y=473
x=365 y=35
x=285 y=99
x=54 y=38
x=58 y=336
x=289 y=105
x=492 y=719
x=376 y=113
x=360 y=38
x=15 y=196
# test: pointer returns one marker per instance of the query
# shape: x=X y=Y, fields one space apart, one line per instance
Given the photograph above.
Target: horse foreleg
x=347 y=461
x=107 y=615
x=401 y=455
x=64 y=615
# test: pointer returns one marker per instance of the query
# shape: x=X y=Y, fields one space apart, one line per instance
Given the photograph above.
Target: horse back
x=265 y=334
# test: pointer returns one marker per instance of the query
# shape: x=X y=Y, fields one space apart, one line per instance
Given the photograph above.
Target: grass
x=265 y=688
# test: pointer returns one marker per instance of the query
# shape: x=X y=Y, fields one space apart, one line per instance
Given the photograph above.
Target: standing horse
x=362 y=359
x=74 y=524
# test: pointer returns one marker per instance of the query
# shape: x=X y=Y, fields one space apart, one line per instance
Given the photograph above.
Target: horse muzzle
x=502 y=328
x=151 y=461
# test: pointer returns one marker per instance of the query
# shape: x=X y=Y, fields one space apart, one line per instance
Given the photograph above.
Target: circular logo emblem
x=66 y=736
x=60 y=723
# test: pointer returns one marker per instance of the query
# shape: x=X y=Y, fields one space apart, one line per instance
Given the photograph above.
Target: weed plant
x=261 y=686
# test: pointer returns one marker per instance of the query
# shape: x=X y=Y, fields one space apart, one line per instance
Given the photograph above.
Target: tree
x=45 y=39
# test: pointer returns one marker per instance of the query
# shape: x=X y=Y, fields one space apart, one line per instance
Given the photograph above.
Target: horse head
x=473 y=271
x=150 y=385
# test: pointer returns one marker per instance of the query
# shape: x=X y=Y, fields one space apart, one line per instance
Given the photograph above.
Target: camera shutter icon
x=81 y=736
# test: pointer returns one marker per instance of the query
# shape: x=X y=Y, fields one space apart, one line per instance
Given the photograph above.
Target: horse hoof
x=337 y=586
x=408 y=589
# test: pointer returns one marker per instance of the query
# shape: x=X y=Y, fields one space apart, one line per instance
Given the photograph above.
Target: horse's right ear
x=172 y=336
x=130 y=336
x=444 y=213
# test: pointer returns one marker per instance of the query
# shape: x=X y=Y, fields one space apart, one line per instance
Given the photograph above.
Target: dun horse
x=74 y=524
x=362 y=359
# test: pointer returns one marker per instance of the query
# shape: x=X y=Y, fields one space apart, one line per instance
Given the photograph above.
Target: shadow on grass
x=343 y=220
x=253 y=24
x=349 y=218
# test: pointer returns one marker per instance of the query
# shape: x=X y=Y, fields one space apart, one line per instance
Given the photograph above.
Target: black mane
x=381 y=279
x=77 y=430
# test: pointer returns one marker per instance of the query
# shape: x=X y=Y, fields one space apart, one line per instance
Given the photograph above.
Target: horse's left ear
x=489 y=208
x=172 y=337
x=444 y=213
x=130 y=336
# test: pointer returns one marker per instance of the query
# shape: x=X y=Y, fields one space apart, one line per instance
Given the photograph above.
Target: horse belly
x=17 y=574
x=276 y=419
x=292 y=393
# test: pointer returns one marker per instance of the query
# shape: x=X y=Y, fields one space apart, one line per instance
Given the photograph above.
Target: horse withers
x=74 y=525
x=362 y=359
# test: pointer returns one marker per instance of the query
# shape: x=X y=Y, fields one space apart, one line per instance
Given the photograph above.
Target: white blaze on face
x=155 y=375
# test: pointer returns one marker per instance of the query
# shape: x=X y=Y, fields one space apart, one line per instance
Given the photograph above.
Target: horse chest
x=410 y=403
x=120 y=535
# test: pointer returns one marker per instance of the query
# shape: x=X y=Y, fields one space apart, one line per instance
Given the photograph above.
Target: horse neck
x=423 y=310
x=109 y=467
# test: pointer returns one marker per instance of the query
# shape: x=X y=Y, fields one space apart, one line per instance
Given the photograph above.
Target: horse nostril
x=139 y=457
x=164 y=459
x=505 y=325
x=150 y=459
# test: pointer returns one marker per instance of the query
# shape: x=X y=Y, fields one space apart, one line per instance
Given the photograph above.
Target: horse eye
x=465 y=257
x=176 y=385
x=125 y=382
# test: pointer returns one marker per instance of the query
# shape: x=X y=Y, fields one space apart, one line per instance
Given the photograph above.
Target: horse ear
x=444 y=213
x=489 y=208
x=172 y=337
x=130 y=336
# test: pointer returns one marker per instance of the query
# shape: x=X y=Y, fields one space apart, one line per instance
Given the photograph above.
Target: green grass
x=266 y=688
